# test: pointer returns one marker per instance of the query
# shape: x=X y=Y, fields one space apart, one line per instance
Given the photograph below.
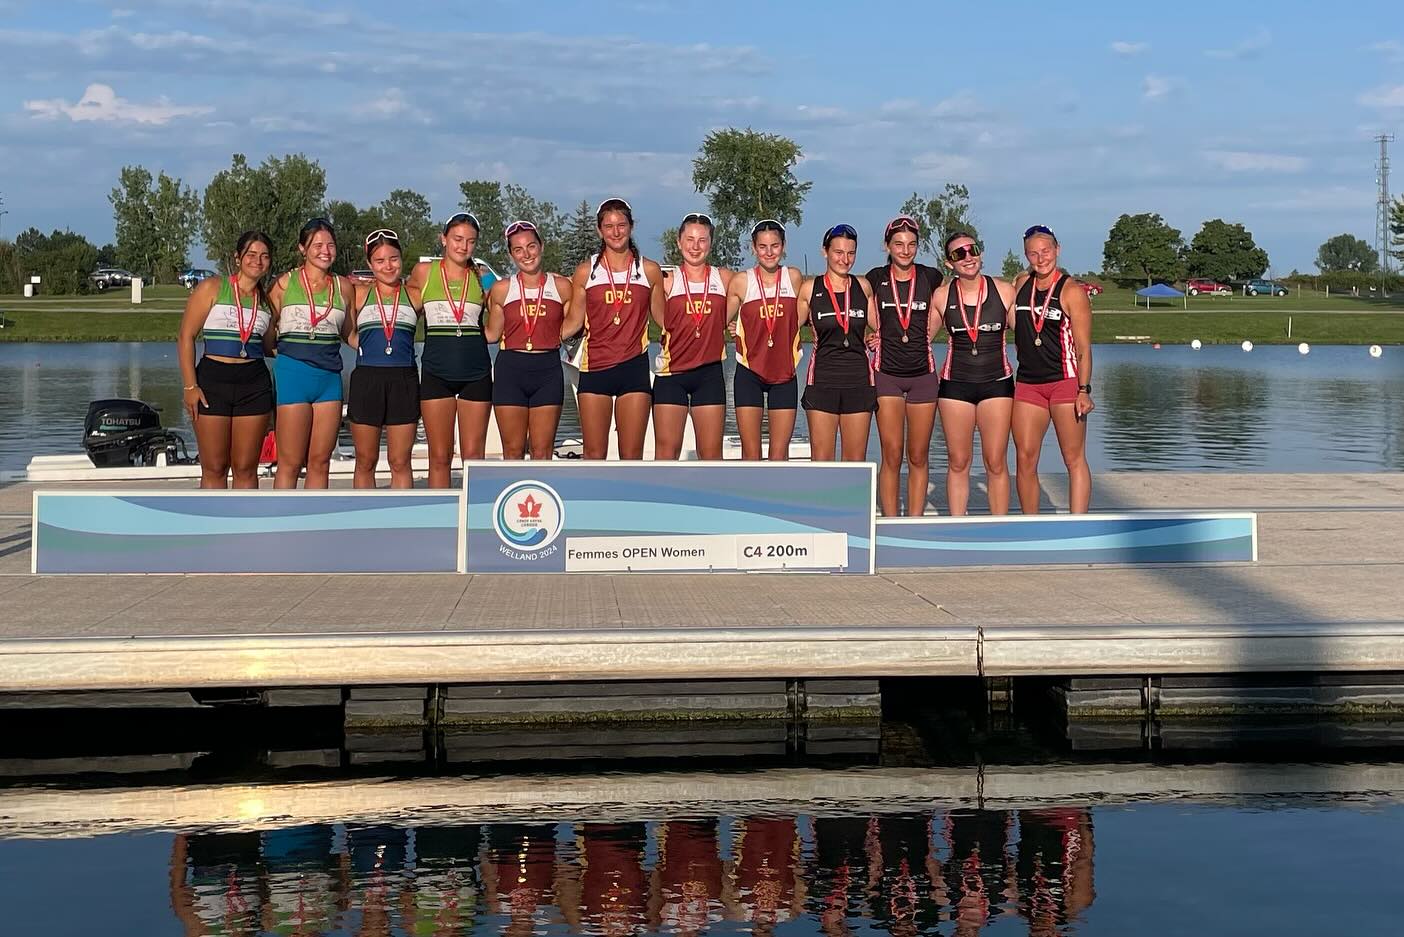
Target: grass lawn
x=1121 y=300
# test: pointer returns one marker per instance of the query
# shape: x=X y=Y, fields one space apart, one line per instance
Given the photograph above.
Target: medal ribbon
x=528 y=320
x=618 y=293
x=696 y=317
x=387 y=324
x=972 y=328
x=774 y=309
x=1034 y=312
x=244 y=333
x=903 y=320
x=463 y=298
x=847 y=304
x=312 y=317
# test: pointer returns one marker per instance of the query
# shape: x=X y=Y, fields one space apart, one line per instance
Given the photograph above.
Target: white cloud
x=1122 y=47
x=1156 y=87
x=101 y=103
x=1384 y=97
x=1241 y=161
x=1391 y=49
x=1245 y=49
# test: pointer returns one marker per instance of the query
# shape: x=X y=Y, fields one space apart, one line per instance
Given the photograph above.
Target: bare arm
x=870 y=321
x=196 y=308
x=658 y=297
x=358 y=293
x=575 y=311
x=936 y=312
x=496 y=322
x=1019 y=282
x=735 y=296
x=573 y=319
x=1078 y=308
x=417 y=277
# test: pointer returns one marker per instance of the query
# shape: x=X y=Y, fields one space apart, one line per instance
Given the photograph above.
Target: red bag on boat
x=269 y=453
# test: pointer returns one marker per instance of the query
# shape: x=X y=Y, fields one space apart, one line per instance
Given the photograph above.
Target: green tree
x=1346 y=252
x=107 y=256
x=62 y=260
x=1012 y=266
x=579 y=239
x=408 y=214
x=672 y=255
x=747 y=175
x=1396 y=228
x=941 y=215
x=1224 y=251
x=1143 y=247
x=483 y=198
x=519 y=205
x=346 y=218
x=134 y=221
x=276 y=197
x=176 y=212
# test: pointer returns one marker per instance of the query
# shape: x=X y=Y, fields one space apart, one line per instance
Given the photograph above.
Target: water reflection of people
x=613 y=892
x=1054 y=866
x=898 y=872
x=687 y=882
x=839 y=874
x=978 y=876
x=445 y=879
x=518 y=869
x=766 y=874
x=213 y=885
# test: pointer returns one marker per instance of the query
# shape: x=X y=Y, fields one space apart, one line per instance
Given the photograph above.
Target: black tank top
x=896 y=357
x=1048 y=354
x=990 y=362
x=840 y=357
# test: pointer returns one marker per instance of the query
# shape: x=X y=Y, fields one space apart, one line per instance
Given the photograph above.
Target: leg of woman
x=212 y=438
x=669 y=423
x=245 y=443
x=855 y=429
x=1072 y=440
x=326 y=422
x=596 y=411
x=543 y=422
x=823 y=435
x=292 y=434
x=992 y=417
x=472 y=428
x=707 y=422
x=1030 y=424
x=399 y=441
x=782 y=430
x=512 y=430
x=438 y=416
x=631 y=422
x=921 y=419
x=748 y=426
x=367 y=440
x=958 y=425
x=892 y=427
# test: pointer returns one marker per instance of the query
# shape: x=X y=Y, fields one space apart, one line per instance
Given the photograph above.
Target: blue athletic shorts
x=300 y=382
x=528 y=379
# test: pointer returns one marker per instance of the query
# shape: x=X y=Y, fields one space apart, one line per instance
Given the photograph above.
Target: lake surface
x=1218 y=409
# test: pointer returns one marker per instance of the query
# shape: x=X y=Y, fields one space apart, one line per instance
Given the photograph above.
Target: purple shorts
x=921 y=388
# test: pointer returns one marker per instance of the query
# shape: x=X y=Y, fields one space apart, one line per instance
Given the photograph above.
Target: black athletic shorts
x=748 y=390
x=433 y=387
x=235 y=389
x=528 y=379
x=383 y=396
x=861 y=399
x=699 y=387
x=977 y=391
x=627 y=377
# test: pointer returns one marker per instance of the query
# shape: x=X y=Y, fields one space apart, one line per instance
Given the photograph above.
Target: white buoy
x=1304 y=348
x=1376 y=351
x=1247 y=345
x=1196 y=344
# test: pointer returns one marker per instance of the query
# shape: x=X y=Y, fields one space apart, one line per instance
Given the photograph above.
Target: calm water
x=1286 y=865
x=1219 y=409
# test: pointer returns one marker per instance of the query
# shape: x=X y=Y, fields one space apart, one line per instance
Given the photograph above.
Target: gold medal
x=528 y=345
x=696 y=333
x=616 y=320
x=770 y=343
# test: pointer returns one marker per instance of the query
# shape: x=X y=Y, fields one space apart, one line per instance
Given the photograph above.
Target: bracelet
x=1085 y=389
x=191 y=387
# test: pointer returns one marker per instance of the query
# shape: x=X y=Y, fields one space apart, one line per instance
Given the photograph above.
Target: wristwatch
x=1085 y=388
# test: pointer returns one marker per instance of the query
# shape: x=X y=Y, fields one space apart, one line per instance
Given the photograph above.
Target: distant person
x=977 y=384
x=1053 y=338
x=906 y=379
x=621 y=291
x=485 y=275
x=839 y=400
x=229 y=394
x=693 y=335
x=455 y=384
x=763 y=306
x=313 y=322
x=527 y=314
x=384 y=398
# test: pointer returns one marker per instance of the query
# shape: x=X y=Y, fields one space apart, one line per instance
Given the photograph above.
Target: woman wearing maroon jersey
x=527 y=313
x=763 y=307
x=621 y=289
x=693 y=328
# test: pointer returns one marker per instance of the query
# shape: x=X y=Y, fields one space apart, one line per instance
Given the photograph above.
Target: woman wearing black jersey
x=906 y=380
x=839 y=397
x=977 y=385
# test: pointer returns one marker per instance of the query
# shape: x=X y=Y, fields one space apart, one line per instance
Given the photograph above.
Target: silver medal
x=459 y=333
x=1038 y=341
x=243 y=352
x=974 y=351
x=389 y=350
x=904 y=338
x=845 y=343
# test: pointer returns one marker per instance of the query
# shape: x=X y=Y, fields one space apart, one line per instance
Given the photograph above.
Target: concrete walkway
x=1326 y=595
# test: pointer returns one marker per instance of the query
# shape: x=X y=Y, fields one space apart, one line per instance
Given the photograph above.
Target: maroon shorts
x=1045 y=395
x=921 y=388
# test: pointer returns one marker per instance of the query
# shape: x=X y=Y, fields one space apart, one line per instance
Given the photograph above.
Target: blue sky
x=1066 y=116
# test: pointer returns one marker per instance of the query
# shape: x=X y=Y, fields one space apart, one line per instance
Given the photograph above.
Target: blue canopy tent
x=1160 y=291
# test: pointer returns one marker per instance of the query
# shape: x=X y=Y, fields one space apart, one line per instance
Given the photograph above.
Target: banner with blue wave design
x=1061 y=539
x=246 y=532
x=680 y=517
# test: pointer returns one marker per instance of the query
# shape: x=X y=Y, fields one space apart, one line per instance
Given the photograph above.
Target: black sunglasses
x=962 y=252
x=840 y=231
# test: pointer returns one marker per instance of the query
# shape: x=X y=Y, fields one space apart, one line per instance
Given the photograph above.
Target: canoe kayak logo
x=528 y=516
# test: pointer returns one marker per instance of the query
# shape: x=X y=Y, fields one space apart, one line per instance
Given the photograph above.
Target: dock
x=1324 y=596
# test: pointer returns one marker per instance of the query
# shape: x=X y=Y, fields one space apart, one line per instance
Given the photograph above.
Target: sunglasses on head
x=697 y=217
x=517 y=227
x=964 y=251
x=1040 y=229
x=840 y=231
x=903 y=223
x=381 y=234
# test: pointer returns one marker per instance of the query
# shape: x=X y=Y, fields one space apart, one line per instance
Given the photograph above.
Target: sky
x=1060 y=115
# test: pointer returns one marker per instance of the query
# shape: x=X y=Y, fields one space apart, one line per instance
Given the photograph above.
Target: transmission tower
x=1382 y=208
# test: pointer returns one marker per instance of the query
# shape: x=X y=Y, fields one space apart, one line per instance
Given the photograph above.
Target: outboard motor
x=121 y=432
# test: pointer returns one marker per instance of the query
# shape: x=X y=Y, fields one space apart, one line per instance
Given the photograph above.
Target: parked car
x=107 y=277
x=363 y=276
x=1093 y=289
x=193 y=275
x=1212 y=287
x=1270 y=287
